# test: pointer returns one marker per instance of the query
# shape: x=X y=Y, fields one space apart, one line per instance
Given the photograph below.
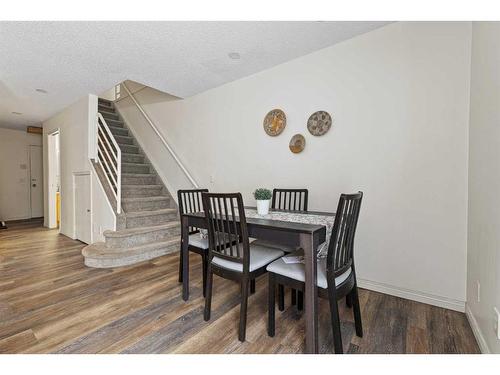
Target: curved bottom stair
x=98 y=255
x=149 y=226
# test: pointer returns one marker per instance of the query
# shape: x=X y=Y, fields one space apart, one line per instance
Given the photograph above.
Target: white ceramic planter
x=263 y=207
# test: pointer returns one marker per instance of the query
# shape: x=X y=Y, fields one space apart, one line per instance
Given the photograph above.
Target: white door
x=82 y=208
x=36 y=181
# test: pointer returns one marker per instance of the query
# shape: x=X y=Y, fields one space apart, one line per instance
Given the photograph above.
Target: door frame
x=83 y=173
x=51 y=201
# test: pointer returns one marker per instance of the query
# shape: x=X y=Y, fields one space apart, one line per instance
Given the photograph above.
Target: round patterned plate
x=274 y=122
x=319 y=123
x=297 y=143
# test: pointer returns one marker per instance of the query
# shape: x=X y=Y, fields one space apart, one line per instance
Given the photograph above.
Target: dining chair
x=288 y=200
x=336 y=275
x=191 y=201
x=230 y=254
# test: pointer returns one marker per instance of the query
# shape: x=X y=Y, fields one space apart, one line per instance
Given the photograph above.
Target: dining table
x=306 y=230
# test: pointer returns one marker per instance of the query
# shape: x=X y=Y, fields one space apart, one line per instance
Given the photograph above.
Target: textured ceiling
x=72 y=59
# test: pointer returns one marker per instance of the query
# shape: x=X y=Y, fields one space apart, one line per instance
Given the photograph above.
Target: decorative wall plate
x=274 y=122
x=319 y=123
x=297 y=143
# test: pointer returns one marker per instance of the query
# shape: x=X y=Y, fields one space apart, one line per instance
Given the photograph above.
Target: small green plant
x=262 y=194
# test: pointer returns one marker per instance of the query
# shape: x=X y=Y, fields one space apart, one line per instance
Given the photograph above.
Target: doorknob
x=88 y=209
x=34 y=185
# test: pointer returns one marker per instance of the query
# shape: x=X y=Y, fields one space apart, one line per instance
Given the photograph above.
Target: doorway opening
x=36 y=180
x=54 y=180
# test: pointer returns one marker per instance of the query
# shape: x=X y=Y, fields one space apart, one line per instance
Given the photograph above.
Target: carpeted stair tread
x=143 y=230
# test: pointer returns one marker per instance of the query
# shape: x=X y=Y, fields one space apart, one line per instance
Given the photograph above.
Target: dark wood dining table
x=305 y=236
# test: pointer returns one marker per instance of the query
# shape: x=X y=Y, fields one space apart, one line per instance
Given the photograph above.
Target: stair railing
x=163 y=140
x=110 y=157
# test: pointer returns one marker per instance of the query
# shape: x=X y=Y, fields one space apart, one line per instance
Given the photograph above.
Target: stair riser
x=116 y=124
x=144 y=238
x=127 y=260
x=105 y=108
x=121 y=140
x=133 y=180
x=139 y=168
x=145 y=205
x=135 y=158
x=119 y=131
x=110 y=115
x=137 y=192
x=129 y=149
x=148 y=221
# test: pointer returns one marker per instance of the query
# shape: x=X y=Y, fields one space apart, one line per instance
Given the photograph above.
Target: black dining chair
x=288 y=200
x=230 y=254
x=336 y=276
x=191 y=201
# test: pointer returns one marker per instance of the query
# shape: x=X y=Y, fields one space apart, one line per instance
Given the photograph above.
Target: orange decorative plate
x=297 y=143
x=274 y=122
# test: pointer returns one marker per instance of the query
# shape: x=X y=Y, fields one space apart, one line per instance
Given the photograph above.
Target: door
x=36 y=181
x=82 y=208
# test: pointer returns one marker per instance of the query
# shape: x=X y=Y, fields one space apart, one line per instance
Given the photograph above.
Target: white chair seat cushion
x=296 y=271
x=285 y=248
x=196 y=240
x=259 y=257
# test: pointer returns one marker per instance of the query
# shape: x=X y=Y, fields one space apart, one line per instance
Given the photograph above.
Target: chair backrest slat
x=341 y=248
x=290 y=199
x=227 y=227
x=190 y=201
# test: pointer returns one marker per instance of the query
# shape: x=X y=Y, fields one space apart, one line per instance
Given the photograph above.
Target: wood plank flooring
x=51 y=303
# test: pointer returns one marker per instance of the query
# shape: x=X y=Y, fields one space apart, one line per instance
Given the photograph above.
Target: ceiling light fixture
x=16 y=113
x=41 y=91
x=234 y=55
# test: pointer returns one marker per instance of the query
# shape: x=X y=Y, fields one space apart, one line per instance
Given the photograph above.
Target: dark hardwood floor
x=51 y=303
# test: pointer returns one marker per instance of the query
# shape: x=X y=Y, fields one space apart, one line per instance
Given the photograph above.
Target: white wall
x=399 y=97
x=483 y=260
x=74 y=124
x=164 y=164
x=15 y=173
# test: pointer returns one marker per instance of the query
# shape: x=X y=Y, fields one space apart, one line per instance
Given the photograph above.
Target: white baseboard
x=478 y=334
x=430 y=299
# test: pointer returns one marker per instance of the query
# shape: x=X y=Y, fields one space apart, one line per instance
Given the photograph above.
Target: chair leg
x=357 y=311
x=204 y=265
x=208 y=297
x=252 y=286
x=334 y=315
x=243 y=310
x=300 y=300
x=180 y=265
x=271 y=305
x=348 y=300
x=294 y=297
x=281 y=297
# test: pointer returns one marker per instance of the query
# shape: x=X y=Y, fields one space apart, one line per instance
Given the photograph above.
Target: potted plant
x=263 y=197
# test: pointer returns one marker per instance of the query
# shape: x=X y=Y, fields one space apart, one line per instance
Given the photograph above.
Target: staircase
x=148 y=226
